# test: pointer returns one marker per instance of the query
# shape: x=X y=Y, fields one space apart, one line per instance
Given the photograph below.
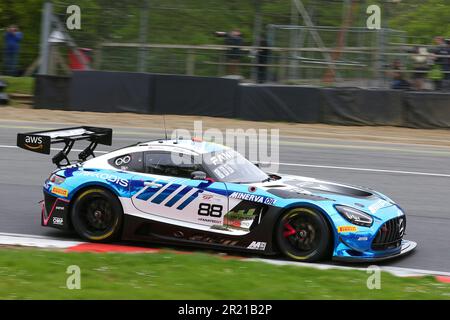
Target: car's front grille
x=390 y=235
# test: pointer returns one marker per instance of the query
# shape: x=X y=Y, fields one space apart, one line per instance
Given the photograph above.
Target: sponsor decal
x=240 y=219
x=58 y=221
x=60 y=208
x=257 y=245
x=222 y=157
x=60 y=191
x=33 y=142
x=363 y=238
x=208 y=210
x=252 y=197
x=378 y=205
x=122 y=160
x=347 y=229
x=108 y=177
x=210 y=220
x=246 y=224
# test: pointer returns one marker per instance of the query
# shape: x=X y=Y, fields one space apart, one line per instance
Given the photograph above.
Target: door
x=165 y=191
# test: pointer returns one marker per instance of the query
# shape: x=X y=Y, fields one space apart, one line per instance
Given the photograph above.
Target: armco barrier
x=427 y=110
x=110 y=92
x=354 y=106
x=152 y=93
x=202 y=96
x=185 y=95
x=280 y=103
x=51 y=92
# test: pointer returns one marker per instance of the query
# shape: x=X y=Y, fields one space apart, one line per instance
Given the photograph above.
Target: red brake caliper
x=290 y=230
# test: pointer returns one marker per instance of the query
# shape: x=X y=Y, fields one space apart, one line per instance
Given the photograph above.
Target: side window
x=128 y=162
x=170 y=164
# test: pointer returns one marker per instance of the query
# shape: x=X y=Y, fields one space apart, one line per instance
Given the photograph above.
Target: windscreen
x=229 y=166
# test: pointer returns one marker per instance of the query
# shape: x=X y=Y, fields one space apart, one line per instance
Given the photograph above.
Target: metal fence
x=177 y=37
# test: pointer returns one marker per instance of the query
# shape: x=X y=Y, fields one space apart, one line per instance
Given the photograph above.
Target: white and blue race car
x=202 y=194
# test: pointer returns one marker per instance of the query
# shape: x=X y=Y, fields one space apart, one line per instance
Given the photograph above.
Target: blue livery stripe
x=178 y=196
x=149 y=192
x=165 y=193
x=189 y=200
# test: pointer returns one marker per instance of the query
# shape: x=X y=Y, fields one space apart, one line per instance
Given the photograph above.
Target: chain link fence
x=279 y=43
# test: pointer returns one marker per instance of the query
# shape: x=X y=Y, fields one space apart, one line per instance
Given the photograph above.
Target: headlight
x=54 y=178
x=355 y=216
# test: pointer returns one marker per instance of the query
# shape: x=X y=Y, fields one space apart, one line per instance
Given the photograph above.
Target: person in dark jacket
x=398 y=79
x=441 y=63
x=262 y=60
x=234 y=53
x=12 y=46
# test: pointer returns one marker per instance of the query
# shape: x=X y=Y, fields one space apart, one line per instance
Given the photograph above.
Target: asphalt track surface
x=415 y=176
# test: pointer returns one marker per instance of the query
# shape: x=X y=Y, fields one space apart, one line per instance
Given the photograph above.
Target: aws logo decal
x=33 y=142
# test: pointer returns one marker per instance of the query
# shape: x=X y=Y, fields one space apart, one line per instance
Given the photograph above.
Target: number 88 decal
x=206 y=209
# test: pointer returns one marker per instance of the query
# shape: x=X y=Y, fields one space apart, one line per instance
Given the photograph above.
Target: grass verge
x=40 y=274
x=23 y=85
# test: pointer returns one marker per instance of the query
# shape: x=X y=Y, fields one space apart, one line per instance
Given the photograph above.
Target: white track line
x=362 y=169
x=25 y=240
x=397 y=271
x=28 y=240
x=430 y=174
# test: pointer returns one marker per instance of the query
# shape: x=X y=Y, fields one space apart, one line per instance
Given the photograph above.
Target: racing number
x=206 y=209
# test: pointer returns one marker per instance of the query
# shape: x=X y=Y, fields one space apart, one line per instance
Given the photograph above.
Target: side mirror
x=198 y=175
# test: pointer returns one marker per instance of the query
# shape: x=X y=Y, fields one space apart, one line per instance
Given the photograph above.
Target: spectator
x=262 y=58
x=12 y=39
x=447 y=70
x=420 y=64
x=234 y=54
x=398 y=79
x=441 y=64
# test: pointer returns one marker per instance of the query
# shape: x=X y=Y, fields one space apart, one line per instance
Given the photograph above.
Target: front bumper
x=55 y=212
x=406 y=247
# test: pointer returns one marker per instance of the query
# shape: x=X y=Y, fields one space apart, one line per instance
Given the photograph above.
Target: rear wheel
x=303 y=234
x=97 y=215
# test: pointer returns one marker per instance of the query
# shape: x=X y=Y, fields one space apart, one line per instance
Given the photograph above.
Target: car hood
x=362 y=198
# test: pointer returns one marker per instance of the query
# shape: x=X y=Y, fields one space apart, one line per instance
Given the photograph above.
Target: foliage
x=22 y=85
x=424 y=19
x=194 y=21
x=38 y=274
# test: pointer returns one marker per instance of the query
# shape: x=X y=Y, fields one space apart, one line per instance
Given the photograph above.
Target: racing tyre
x=97 y=215
x=302 y=234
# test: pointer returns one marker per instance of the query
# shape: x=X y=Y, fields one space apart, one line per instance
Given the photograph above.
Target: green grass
x=22 y=85
x=39 y=274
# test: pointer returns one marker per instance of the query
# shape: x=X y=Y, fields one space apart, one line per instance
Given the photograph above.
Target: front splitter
x=407 y=247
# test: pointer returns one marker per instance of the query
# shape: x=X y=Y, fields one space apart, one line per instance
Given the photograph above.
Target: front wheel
x=302 y=234
x=97 y=215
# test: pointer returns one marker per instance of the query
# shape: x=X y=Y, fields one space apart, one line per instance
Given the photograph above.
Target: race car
x=202 y=194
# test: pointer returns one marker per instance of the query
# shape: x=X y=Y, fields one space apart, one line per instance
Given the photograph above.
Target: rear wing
x=41 y=141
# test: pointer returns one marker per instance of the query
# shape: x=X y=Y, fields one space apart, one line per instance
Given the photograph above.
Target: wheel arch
x=314 y=207
x=84 y=187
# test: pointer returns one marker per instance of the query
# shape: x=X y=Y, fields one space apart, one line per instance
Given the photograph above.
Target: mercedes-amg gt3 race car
x=204 y=194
